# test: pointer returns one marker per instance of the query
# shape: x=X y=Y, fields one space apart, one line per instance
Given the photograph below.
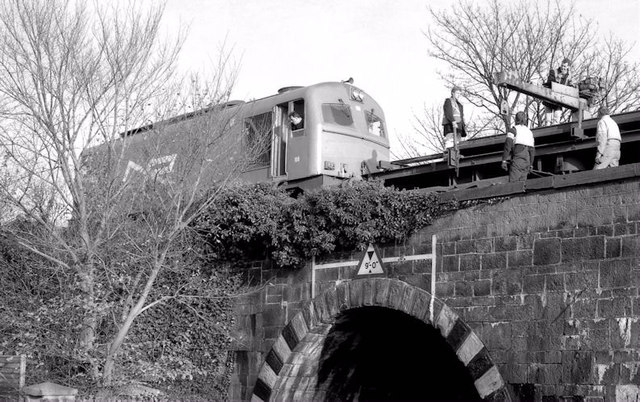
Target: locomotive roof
x=285 y=92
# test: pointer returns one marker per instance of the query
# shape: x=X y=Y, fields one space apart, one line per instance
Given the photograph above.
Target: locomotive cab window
x=337 y=113
x=296 y=116
x=375 y=124
x=257 y=130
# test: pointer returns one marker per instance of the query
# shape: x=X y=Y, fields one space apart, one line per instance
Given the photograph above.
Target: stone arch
x=288 y=371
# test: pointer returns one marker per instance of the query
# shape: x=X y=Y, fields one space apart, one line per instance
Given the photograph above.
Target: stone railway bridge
x=535 y=298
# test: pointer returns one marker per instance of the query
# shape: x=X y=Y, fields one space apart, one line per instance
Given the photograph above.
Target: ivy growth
x=261 y=221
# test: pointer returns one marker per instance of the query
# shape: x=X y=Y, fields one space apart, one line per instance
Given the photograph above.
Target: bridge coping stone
x=381 y=292
x=421 y=308
x=333 y=303
x=342 y=295
x=355 y=294
x=267 y=375
x=446 y=320
x=490 y=382
x=407 y=299
x=469 y=348
x=256 y=398
x=396 y=290
x=299 y=326
x=282 y=349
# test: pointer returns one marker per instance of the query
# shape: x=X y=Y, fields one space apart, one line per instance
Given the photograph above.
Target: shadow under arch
x=291 y=367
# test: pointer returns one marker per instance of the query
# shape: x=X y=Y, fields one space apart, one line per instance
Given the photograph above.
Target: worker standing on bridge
x=519 y=149
x=608 y=140
x=453 y=119
x=562 y=75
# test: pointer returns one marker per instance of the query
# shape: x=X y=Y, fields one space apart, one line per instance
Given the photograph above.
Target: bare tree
x=113 y=210
x=430 y=135
x=620 y=78
x=429 y=132
x=477 y=40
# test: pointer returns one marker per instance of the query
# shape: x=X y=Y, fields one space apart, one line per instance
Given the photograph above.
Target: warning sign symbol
x=370 y=263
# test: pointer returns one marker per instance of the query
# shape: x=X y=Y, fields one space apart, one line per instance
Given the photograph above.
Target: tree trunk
x=87 y=336
x=114 y=346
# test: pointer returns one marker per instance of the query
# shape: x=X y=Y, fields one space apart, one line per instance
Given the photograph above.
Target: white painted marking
x=267 y=375
x=336 y=265
x=471 y=346
x=490 y=382
x=162 y=165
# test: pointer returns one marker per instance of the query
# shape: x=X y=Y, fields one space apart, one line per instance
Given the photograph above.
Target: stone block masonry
x=548 y=282
x=561 y=318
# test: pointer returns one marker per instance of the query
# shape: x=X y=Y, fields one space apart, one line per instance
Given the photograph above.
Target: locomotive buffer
x=558 y=94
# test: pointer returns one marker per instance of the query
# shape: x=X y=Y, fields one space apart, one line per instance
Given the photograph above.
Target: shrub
x=259 y=221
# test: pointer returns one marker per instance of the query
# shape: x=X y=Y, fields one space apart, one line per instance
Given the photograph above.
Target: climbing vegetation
x=261 y=221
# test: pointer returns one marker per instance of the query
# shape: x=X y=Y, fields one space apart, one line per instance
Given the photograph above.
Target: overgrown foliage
x=249 y=222
x=106 y=216
x=180 y=345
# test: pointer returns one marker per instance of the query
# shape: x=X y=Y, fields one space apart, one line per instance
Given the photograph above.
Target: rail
x=556 y=152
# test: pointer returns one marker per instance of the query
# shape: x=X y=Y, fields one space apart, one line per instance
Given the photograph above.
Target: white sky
x=380 y=43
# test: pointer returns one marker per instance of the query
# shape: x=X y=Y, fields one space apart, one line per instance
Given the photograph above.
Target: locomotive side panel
x=325 y=129
x=204 y=147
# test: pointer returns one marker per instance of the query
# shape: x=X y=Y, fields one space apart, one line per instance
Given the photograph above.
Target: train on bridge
x=301 y=137
x=340 y=134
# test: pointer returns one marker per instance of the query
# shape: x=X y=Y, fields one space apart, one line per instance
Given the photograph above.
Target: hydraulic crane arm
x=558 y=94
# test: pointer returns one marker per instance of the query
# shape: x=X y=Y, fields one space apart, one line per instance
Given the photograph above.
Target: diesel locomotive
x=339 y=131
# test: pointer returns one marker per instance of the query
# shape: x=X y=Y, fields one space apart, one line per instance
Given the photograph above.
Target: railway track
x=557 y=153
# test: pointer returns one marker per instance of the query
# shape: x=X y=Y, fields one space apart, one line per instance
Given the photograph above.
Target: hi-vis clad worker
x=519 y=150
x=608 y=140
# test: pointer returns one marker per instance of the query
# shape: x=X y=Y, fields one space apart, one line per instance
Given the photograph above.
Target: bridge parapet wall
x=548 y=281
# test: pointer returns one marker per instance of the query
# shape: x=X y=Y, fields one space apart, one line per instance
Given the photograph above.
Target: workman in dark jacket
x=519 y=149
x=453 y=118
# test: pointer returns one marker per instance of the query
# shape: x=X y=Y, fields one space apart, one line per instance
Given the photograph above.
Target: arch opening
x=376 y=353
x=420 y=342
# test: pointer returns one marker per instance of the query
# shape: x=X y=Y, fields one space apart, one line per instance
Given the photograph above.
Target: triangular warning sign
x=370 y=264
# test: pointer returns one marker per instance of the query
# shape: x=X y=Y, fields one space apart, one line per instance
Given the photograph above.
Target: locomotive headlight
x=357 y=94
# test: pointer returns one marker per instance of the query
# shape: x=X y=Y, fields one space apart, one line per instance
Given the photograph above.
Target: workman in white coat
x=608 y=140
x=519 y=149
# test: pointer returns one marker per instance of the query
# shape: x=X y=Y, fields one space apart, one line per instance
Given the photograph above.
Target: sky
x=380 y=43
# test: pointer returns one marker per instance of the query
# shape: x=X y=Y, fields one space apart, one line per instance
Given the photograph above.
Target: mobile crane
x=574 y=99
x=564 y=96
